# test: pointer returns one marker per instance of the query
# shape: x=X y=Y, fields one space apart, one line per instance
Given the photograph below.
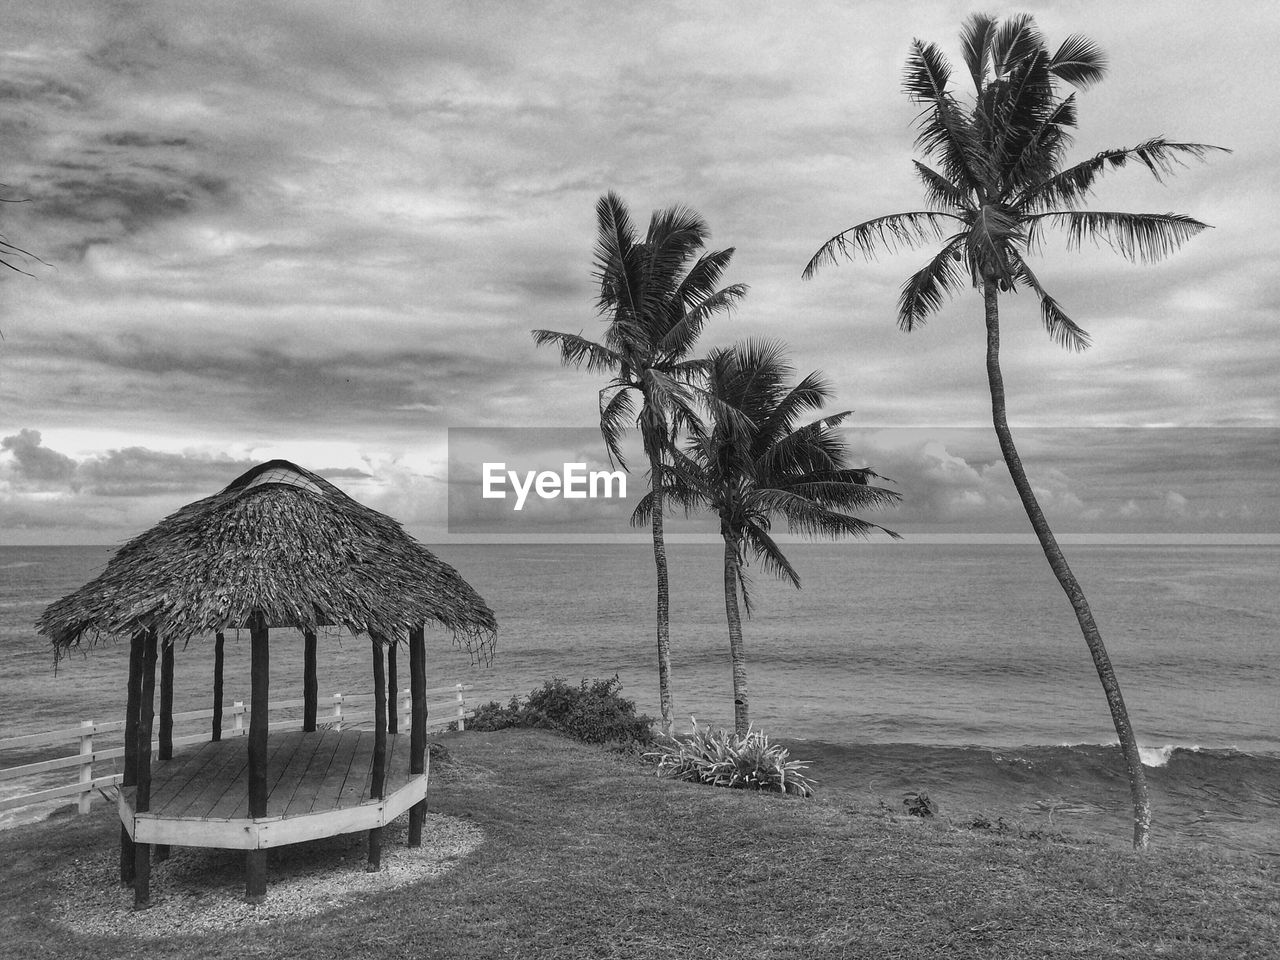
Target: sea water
x=955 y=667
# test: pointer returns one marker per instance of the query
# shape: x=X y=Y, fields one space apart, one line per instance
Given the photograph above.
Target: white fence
x=440 y=713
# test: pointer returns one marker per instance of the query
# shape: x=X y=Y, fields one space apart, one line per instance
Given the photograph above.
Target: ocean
x=956 y=669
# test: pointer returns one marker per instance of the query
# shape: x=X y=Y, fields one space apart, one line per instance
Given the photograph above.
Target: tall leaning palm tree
x=998 y=183
x=656 y=293
x=762 y=465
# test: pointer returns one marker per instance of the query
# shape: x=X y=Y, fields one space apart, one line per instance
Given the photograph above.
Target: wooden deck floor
x=307 y=773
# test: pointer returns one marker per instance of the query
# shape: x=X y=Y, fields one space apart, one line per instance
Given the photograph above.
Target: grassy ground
x=591 y=856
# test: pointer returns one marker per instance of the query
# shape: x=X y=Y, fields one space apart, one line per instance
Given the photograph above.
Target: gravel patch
x=200 y=891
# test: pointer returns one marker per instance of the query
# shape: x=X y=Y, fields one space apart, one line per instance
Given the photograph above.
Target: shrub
x=493 y=716
x=919 y=805
x=594 y=712
x=723 y=759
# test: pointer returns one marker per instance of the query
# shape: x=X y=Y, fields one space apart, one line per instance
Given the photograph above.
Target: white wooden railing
x=440 y=714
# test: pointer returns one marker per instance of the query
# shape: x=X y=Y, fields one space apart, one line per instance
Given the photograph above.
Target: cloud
x=138 y=472
x=36 y=464
x=274 y=223
x=119 y=492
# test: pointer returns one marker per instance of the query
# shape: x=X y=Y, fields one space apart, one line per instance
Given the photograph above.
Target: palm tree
x=11 y=252
x=999 y=183
x=656 y=293
x=749 y=474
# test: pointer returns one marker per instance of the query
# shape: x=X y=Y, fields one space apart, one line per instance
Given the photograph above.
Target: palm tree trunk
x=1067 y=580
x=737 y=652
x=664 y=600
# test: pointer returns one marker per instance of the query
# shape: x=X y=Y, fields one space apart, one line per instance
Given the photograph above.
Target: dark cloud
x=276 y=221
x=135 y=471
x=133 y=198
x=343 y=385
x=139 y=472
x=35 y=463
x=48 y=92
x=135 y=138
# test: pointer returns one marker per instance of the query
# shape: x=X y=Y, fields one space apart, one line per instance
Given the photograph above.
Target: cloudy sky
x=323 y=231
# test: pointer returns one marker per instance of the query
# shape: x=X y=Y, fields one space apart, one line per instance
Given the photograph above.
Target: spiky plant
x=745 y=760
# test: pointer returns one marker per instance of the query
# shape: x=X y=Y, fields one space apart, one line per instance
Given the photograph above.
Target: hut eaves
x=282 y=541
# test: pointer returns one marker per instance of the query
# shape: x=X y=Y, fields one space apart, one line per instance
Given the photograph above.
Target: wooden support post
x=86 y=768
x=165 y=751
x=219 y=641
x=392 y=710
x=310 y=684
x=259 y=681
x=417 y=726
x=146 y=718
x=130 y=779
x=379 y=774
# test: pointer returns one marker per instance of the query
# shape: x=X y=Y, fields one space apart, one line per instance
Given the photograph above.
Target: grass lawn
x=589 y=855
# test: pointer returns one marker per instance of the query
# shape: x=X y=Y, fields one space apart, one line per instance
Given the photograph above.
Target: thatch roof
x=280 y=540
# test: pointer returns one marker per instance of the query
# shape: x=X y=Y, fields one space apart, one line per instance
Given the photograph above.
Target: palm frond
x=940 y=192
x=987 y=242
x=703 y=278
x=923 y=291
x=751 y=376
x=673 y=239
x=8 y=250
x=1016 y=40
x=1079 y=61
x=927 y=74
x=678 y=230
x=1016 y=109
x=1140 y=237
x=834 y=494
x=616 y=414
x=975 y=38
x=897 y=230
x=614 y=257
x=1041 y=150
x=669 y=404
x=769 y=554
x=812 y=393
x=575 y=350
x=810 y=519
x=815 y=447
x=688 y=371
x=683 y=334
x=1069 y=187
x=1060 y=327
x=676 y=492
x=943 y=128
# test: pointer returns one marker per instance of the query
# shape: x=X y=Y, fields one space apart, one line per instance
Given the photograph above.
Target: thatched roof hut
x=281 y=541
x=279 y=547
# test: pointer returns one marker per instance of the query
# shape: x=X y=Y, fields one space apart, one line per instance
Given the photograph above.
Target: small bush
x=919 y=805
x=493 y=716
x=724 y=759
x=594 y=712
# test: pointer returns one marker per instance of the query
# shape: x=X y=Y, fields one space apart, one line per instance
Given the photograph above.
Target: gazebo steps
x=318 y=786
